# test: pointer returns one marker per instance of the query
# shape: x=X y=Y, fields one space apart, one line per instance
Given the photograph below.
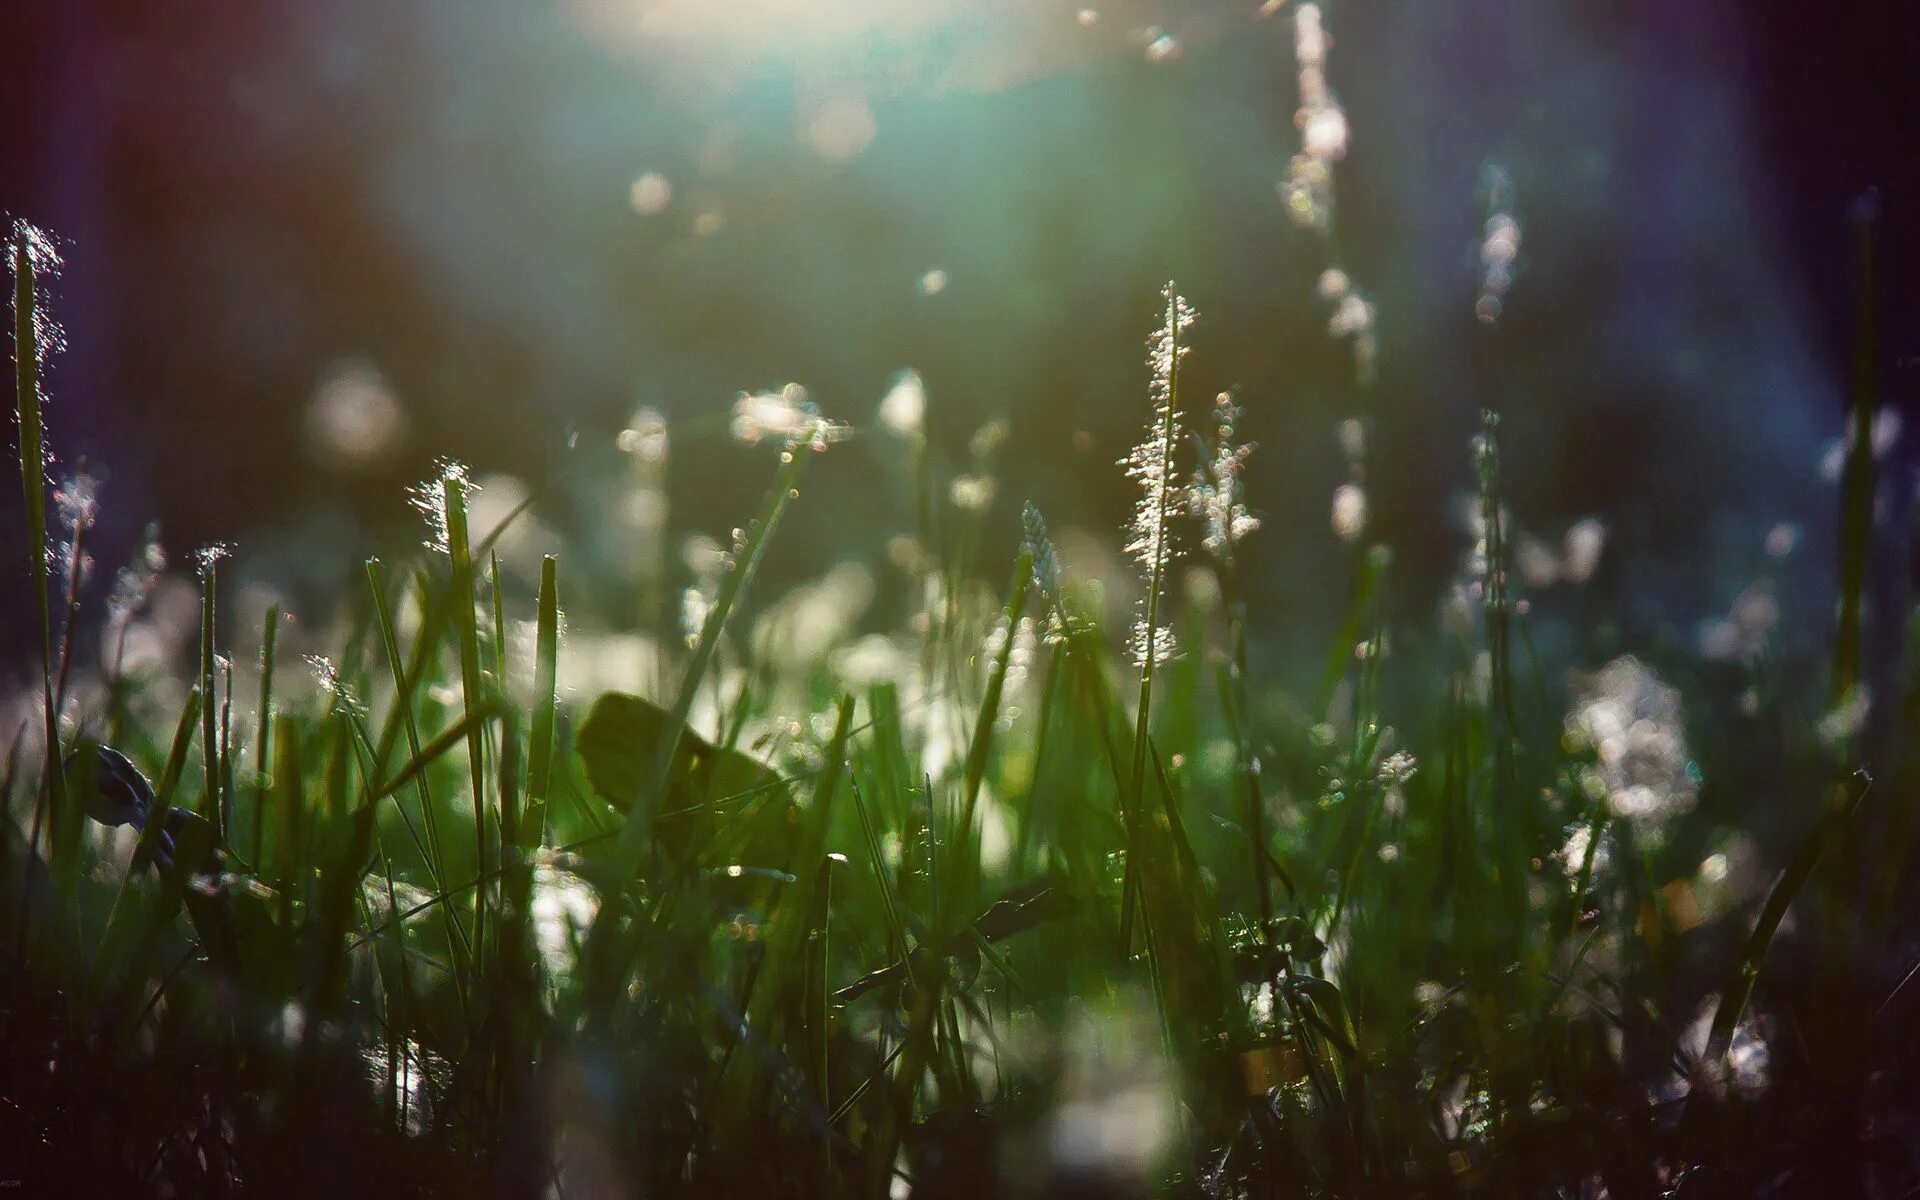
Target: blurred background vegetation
x=495 y=231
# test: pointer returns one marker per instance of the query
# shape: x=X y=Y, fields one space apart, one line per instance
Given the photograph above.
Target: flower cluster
x=1308 y=189
x=1215 y=494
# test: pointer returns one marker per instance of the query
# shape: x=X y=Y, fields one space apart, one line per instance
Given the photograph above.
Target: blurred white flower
x=800 y=627
x=645 y=436
x=786 y=415
x=972 y=493
x=841 y=128
x=1781 y=539
x=1635 y=726
x=1349 y=517
x=1584 y=541
x=650 y=194
x=76 y=499
x=1353 y=439
x=355 y=419
x=903 y=410
x=1499 y=245
x=1742 y=635
x=1572 y=854
x=1308 y=188
x=875 y=658
x=563 y=908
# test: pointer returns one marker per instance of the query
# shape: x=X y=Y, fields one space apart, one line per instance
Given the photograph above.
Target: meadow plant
x=997 y=901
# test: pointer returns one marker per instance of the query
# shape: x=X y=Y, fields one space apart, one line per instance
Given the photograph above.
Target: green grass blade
x=213 y=805
x=514 y=968
x=1733 y=998
x=965 y=854
x=508 y=771
x=176 y=763
x=634 y=835
x=226 y=755
x=442 y=743
x=414 y=772
x=606 y=954
x=27 y=244
x=779 y=989
x=545 y=684
x=453 y=494
x=118 y=919
x=896 y=932
x=403 y=706
x=289 y=813
x=261 y=762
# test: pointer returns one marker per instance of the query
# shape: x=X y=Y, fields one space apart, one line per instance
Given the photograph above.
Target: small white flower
x=1349 y=512
x=903 y=410
x=1215 y=495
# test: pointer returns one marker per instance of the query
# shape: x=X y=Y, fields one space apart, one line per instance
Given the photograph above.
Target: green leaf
x=622 y=734
x=1328 y=1011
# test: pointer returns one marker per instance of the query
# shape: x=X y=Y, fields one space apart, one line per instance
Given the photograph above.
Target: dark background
x=247 y=193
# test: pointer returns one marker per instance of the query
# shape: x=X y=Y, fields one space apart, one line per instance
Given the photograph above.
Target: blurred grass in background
x=738 y=795
x=495 y=234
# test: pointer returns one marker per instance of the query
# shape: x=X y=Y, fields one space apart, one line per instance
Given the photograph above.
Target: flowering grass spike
x=1149 y=539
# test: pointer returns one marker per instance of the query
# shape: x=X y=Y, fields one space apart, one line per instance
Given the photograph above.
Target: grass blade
x=213 y=803
x=30 y=245
x=1733 y=998
x=453 y=495
x=545 y=684
x=415 y=770
x=606 y=954
x=261 y=762
x=633 y=835
x=965 y=856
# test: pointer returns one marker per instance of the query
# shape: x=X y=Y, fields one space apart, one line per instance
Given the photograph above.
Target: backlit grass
x=1044 y=906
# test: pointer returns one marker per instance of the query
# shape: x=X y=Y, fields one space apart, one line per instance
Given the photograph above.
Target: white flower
x=903 y=409
x=786 y=415
x=1634 y=725
x=1215 y=494
x=1349 y=512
